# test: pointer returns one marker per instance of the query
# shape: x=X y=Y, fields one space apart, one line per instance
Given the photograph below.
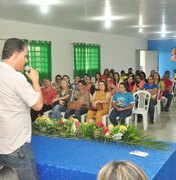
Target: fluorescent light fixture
x=140 y=20
x=44 y=8
x=107 y=24
x=163 y=35
x=140 y=29
x=163 y=28
x=41 y=2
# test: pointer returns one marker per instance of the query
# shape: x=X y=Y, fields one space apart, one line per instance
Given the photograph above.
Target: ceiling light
x=163 y=35
x=107 y=24
x=163 y=28
x=41 y=2
x=140 y=20
x=44 y=8
x=140 y=29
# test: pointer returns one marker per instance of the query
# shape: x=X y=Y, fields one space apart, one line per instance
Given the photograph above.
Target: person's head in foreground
x=121 y=170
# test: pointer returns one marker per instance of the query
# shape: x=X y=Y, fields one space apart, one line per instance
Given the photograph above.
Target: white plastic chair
x=105 y=118
x=157 y=106
x=142 y=100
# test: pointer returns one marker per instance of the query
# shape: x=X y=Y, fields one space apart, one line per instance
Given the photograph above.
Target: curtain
x=39 y=53
x=86 y=59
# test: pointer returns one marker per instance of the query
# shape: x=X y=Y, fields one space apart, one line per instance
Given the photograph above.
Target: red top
x=48 y=95
x=167 y=83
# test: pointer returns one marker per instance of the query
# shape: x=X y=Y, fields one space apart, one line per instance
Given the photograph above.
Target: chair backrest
x=142 y=100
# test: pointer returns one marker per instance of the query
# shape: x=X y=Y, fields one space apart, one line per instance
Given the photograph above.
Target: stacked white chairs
x=142 y=100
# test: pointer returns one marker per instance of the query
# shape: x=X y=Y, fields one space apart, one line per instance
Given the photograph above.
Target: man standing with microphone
x=17 y=97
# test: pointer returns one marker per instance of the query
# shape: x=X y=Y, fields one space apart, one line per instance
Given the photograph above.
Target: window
x=86 y=59
x=40 y=57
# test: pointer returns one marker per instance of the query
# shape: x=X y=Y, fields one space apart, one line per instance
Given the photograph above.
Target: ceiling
x=83 y=15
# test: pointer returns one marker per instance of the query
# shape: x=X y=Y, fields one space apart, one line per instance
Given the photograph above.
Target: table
x=67 y=159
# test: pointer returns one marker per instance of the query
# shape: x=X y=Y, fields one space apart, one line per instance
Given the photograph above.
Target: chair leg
x=83 y=118
x=135 y=122
x=128 y=120
x=145 y=121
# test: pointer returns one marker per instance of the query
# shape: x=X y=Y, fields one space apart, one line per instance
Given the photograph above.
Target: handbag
x=99 y=107
x=74 y=105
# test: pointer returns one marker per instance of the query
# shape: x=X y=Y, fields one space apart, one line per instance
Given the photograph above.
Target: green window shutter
x=86 y=59
x=40 y=57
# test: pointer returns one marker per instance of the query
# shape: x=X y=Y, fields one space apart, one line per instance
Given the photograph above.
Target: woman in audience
x=83 y=98
x=61 y=101
x=8 y=173
x=123 y=76
x=123 y=103
x=89 y=87
x=105 y=74
x=139 y=82
x=143 y=76
x=75 y=84
x=111 y=75
x=121 y=170
x=57 y=82
x=102 y=97
x=110 y=86
x=152 y=88
x=97 y=79
x=131 y=84
x=49 y=93
x=67 y=79
x=160 y=83
x=117 y=80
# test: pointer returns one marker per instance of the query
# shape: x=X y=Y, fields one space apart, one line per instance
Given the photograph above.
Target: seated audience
x=83 y=98
x=97 y=79
x=130 y=72
x=131 y=84
x=122 y=103
x=121 y=170
x=111 y=75
x=117 y=80
x=67 y=79
x=61 y=101
x=123 y=76
x=152 y=88
x=102 y=97
x=160 y=84
x=57 y=82
x=105 y=74
x=167 y=92
x=89 y=87
x=110 y=86
x=139 y=82
x=75 y=84
x=143 y=76
x=49 y=92
x=8 y=173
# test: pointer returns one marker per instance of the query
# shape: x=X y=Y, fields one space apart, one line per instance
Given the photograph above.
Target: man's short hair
x=11 y=46
x=167 y=72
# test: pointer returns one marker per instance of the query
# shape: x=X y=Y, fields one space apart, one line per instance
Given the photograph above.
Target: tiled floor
x=165 y=126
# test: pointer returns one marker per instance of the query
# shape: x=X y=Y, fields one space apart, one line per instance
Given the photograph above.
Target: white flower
x=107 y=134
x=73 y=128
x=117 y=136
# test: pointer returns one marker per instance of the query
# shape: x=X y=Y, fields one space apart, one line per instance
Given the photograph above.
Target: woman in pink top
x=139 y=82
x=131 y=84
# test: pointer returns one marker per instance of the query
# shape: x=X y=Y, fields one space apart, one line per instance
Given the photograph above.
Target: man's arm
x=34 y=77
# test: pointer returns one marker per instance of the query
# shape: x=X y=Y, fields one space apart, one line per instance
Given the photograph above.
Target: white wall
x=116 y=52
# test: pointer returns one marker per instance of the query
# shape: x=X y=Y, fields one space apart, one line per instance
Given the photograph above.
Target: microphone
x=27 y=69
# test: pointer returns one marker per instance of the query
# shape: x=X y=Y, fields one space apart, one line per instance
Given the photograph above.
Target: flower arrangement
x=72 y=128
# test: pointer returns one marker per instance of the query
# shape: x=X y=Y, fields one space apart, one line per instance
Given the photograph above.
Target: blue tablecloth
x=66 y=159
